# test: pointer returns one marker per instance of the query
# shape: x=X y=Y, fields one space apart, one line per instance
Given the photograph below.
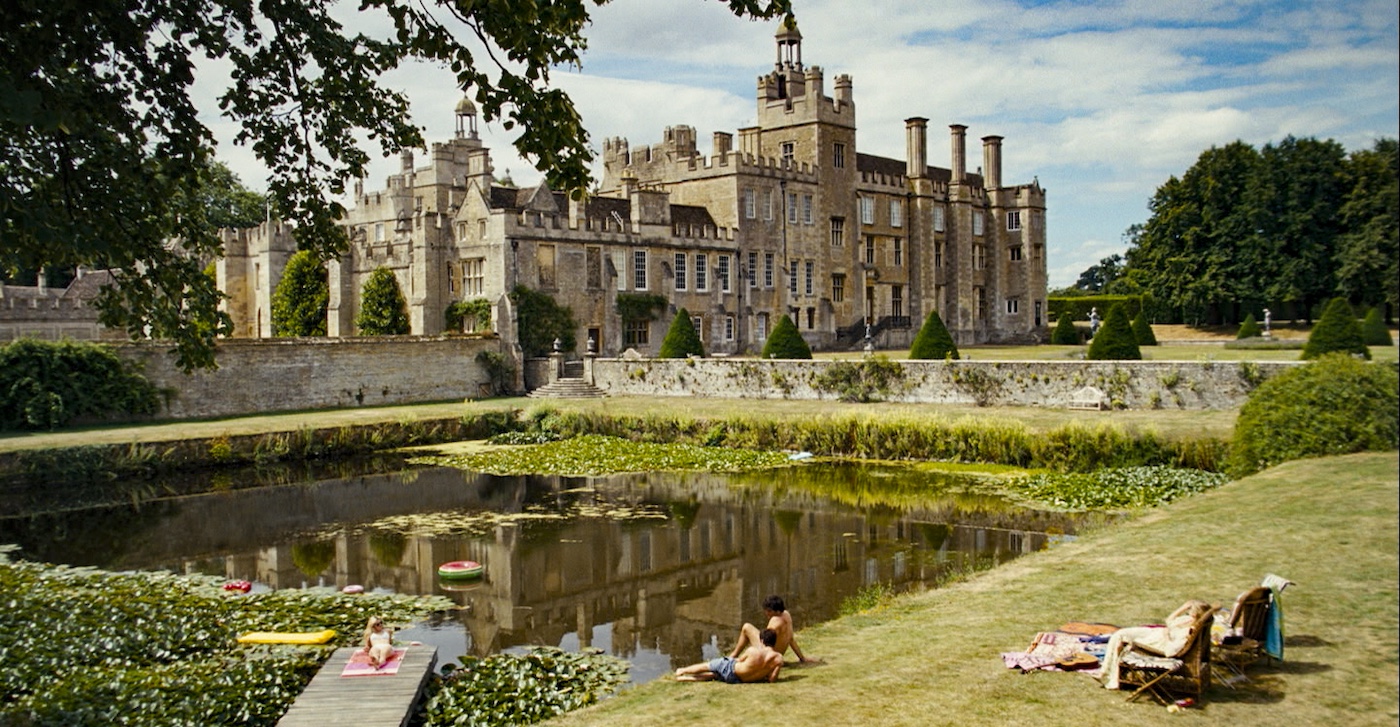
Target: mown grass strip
x=931 y=658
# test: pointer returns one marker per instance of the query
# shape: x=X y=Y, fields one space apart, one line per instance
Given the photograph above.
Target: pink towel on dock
x=359 y=665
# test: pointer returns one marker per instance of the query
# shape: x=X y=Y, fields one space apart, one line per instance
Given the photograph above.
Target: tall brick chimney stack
x=916 y=147
x=991 y=162
x=959 y=139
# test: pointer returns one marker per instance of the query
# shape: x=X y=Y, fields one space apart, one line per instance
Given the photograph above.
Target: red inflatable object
x=240 y=586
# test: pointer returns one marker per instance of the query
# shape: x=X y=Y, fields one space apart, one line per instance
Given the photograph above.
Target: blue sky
x=1101 y=100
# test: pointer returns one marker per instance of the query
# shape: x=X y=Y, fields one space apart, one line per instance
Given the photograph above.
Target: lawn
x=932 y=658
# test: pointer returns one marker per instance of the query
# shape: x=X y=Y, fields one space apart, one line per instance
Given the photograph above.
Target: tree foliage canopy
x=1291 y=224
x=105 y=157
x=299 y=302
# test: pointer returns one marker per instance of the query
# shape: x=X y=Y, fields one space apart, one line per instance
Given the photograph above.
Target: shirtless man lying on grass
x=758 y=663
x=780 y=621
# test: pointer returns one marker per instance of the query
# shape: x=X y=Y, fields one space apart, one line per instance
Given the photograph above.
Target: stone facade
x=1051 y=384
x=29 y=311
x=793 y=221
x=316 y=373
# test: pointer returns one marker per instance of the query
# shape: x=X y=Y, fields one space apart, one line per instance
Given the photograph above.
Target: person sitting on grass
x=759 y=662
x=378 y=642
x=780 y=621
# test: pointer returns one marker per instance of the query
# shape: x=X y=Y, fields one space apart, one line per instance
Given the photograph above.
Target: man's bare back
x=758 y=663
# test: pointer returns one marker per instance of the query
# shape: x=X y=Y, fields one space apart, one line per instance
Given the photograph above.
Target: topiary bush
x=383 y=310
x=1064 y=333
x=933 y=341
x=1142 y=330
x=1249 y=328
x=300 y=300
x=786 y=342
x=1115 y=340
x=1373 y=330
x=681 y=339
x=1335 y=405
x=1337 y=331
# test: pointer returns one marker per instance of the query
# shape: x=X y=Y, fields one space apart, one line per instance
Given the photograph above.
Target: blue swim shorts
x=723 y=669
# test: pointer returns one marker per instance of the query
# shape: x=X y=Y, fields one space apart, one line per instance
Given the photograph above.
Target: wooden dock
x=362 y=701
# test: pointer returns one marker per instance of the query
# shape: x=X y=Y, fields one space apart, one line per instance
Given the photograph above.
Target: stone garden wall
x=1123 y=384
x=266 y=375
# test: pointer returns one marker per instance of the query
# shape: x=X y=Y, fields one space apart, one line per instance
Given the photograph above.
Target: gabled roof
x=897 y=168
x=684 y=214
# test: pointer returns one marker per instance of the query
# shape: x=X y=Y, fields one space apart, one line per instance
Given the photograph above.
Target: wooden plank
x=365 y=701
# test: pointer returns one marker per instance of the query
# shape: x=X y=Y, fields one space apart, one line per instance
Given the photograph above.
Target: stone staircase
x=568 y=389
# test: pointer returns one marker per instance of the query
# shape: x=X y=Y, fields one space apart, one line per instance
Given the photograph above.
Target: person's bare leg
x=695 y=673
x=748 y=636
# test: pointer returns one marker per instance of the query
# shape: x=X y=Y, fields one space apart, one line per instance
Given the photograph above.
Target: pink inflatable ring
x=460 y=570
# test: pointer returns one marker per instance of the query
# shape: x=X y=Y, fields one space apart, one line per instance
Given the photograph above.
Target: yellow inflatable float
x=287 y=637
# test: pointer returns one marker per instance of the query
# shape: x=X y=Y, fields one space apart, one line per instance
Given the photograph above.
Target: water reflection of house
x=667 y=584
x=671 y=583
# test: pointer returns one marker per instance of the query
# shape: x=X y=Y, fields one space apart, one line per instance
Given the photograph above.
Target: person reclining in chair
x=1168 y=641
x=758 y=663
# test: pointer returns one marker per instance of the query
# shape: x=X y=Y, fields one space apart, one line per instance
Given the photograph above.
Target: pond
x=660 y=569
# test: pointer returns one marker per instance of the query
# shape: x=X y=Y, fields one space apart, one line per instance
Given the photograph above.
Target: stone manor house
x=785 y=217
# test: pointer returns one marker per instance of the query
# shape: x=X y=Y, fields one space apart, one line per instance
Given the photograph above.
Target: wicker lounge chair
x=1244 y=644
x=1164 y=675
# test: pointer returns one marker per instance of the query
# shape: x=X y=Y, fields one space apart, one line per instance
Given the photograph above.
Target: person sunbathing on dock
x=759 y=662
x=378 y=641
x=780 y=621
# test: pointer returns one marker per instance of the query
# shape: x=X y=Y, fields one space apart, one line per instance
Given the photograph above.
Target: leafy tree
x=1368 y=251
x=1334 y=405
x=300 y=300
x=1296 y=196
x=540 y=320
x=1337 y=331
x=786 y=342
x=1249 y=329
x=1098 y=277
x=1142 y=330
x=383 y=310
x=106 y=155
x=1064 y=333
x=1373 y=330
x=229 y=203
x=1115 y=341
x=681 y=339
x=933 y=340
